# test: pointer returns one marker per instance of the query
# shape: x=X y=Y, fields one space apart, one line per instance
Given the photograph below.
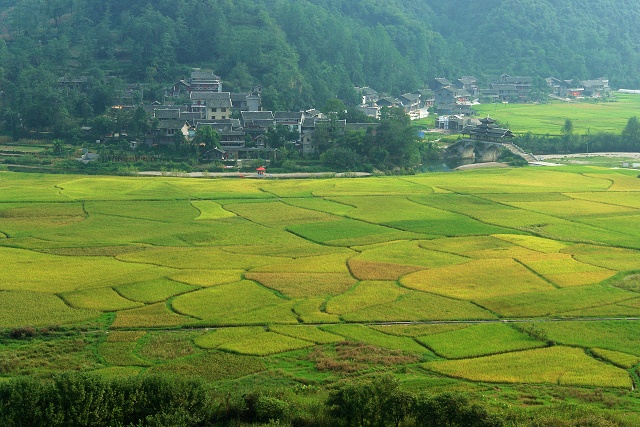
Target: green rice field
x=506 y=277
x=587 y=116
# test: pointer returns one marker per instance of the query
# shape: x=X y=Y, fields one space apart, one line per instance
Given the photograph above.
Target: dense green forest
x=307 y=51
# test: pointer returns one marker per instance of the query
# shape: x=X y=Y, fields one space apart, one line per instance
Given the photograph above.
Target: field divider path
x=61 y=192
x=485 y=309
x=398 y=323
x=535 y=272
x=604 y=202
x=169 y=304
x=611 y=182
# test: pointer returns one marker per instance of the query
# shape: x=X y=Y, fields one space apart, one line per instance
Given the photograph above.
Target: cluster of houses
x=237 y=117
x=457 y=97
x=415 y=104
x=598 y=88
x=453 y=100
x=242 y=124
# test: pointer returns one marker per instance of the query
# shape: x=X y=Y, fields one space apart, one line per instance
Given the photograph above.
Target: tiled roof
x=257 y=115
x=204 y=75
x=293 y=115
x=166 y=113
x=171 y=124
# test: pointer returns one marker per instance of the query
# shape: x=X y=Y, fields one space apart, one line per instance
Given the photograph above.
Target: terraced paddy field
x=494 y=282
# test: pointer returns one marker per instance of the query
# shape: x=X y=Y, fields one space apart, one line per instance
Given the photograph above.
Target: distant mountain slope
x=565 y=38
x=307 y=51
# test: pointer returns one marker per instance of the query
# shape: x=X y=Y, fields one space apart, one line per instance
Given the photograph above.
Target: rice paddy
x=103 y=299
x=153 y=290
x=477 y=279
x=554 y=365
x=479 y=340
x=22 y=308
x=265 y=344
x=359 y=333
x=401 y=268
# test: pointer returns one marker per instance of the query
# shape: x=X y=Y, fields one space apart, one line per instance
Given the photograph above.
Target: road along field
x=510 y=276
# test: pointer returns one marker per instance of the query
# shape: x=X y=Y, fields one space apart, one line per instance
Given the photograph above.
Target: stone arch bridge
x=483 y=151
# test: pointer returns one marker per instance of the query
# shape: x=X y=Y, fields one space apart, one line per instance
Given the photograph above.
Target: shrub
x=22 y=333
x=453 y=410
x=262 y=408
x=378 y=402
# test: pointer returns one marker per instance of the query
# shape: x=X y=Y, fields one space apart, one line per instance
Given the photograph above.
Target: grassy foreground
x=461 y=281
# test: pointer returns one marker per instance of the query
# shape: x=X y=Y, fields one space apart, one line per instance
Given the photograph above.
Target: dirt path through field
x=426 y=322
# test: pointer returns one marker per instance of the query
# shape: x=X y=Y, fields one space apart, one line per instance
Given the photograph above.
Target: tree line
x=81 y=400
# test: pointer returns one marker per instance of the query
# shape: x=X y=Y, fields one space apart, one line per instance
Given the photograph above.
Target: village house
x=316 y=114
x=369 y=96
x=410 y=102
x=451 y=100
x=167 y=113
x=554 y=85
x=513 y=88
x=256 y=124
x=70 y=84
x=468 y=83
x=220 y=125
x=522 y=83
x=439 y=83
x=389 y=102
x=247 y=101
x=292 y=119
x=427 y=98
x=598 y=88
x=455 y=123
x=212 y=105
x=506 y=92
x=370 y=111
x=488 y=95
x=168 y=132
x=199 y=81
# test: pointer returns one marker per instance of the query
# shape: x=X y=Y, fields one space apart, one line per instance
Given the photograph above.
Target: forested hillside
x=306 y=51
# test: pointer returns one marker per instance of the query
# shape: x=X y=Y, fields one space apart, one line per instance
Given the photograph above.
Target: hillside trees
x=38 y=102
x=306 y=52
x=390 y=145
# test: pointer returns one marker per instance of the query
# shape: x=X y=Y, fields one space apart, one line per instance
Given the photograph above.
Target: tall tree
x=631 y=133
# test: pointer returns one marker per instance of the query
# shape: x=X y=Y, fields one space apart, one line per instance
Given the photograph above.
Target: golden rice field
x=224 y=279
